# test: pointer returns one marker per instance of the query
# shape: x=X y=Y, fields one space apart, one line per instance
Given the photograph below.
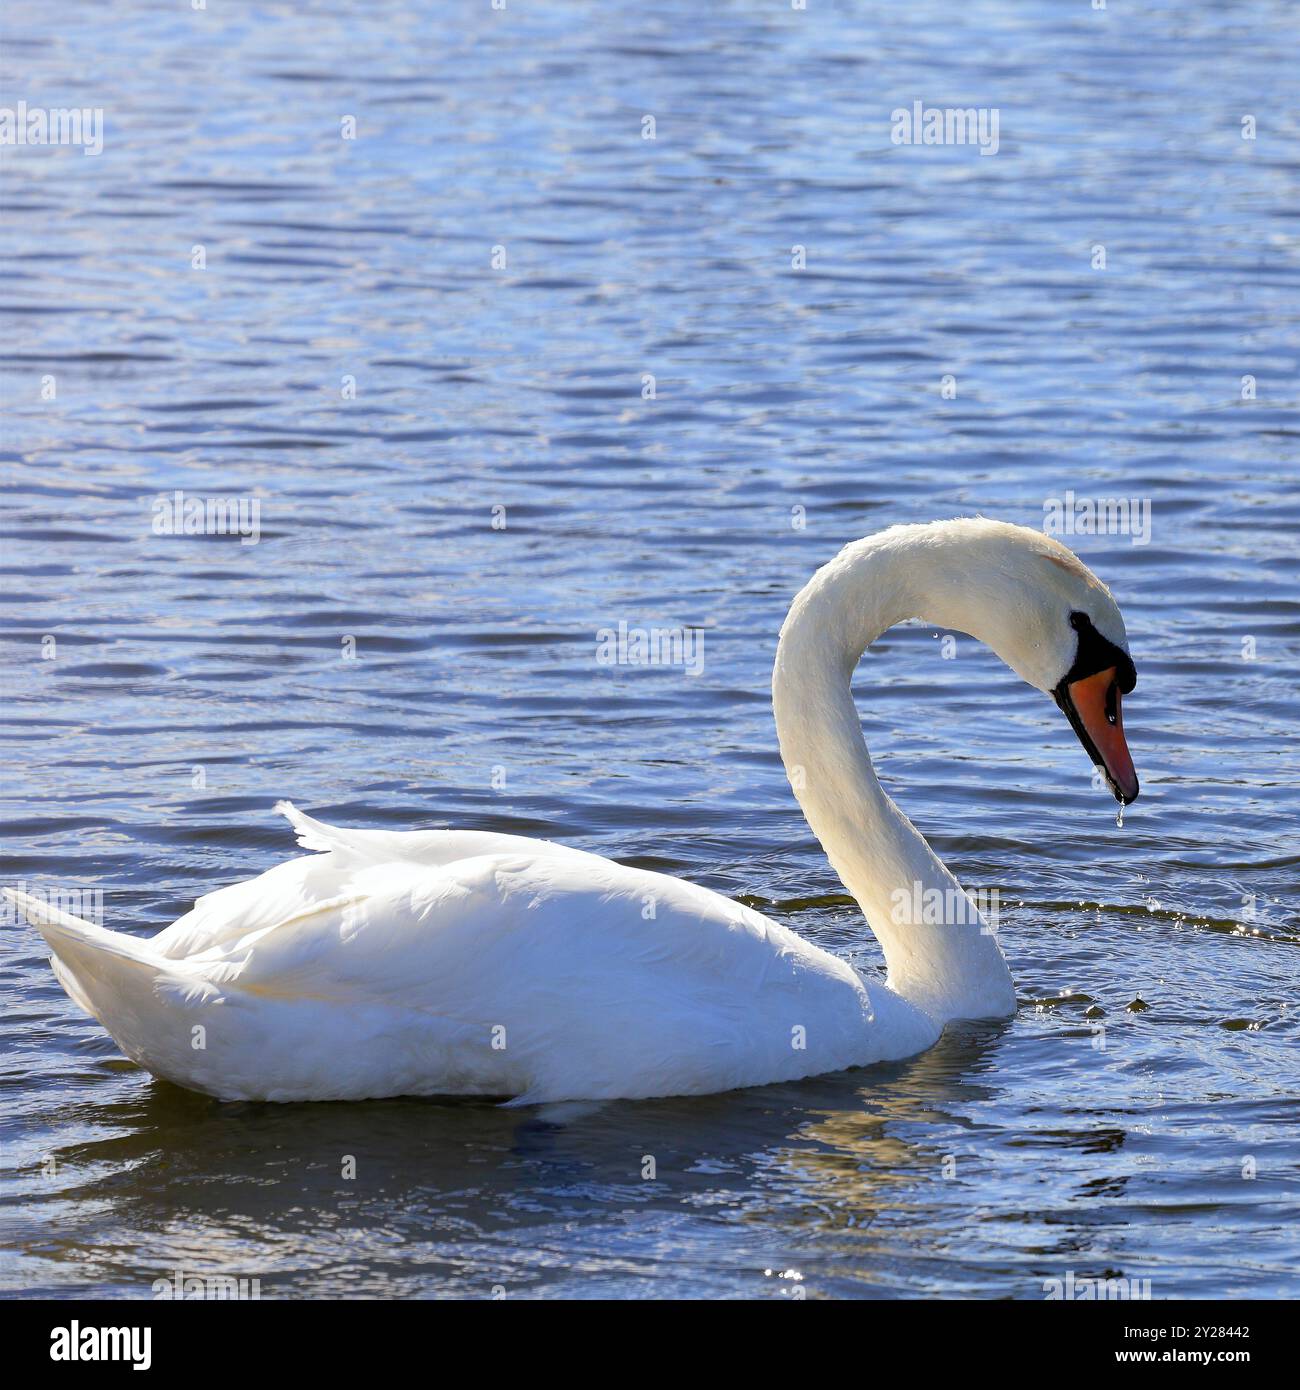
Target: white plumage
x=449 y=962
x=456 y=962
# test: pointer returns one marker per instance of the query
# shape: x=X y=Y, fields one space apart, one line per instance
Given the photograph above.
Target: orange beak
x=1092 y=706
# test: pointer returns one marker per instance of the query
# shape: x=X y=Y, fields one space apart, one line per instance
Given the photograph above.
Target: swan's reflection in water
x=421 y=1198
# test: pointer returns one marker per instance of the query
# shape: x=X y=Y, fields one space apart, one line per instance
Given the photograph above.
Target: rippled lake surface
x=400 y=339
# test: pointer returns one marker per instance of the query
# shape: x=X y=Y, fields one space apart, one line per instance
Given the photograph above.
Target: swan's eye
x=1094 y=653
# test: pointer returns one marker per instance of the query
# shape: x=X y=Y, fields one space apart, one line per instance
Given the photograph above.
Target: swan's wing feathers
x=227 y=915
x=399 y=931
x=364 y=847
x=478 y=933
x=312 y=834
x=230 y=913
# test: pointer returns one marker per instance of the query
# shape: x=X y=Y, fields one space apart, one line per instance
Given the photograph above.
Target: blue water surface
x=500 y=372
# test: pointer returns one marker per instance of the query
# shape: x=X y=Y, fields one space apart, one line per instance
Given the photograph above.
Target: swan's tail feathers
x=94 y=965
x=62 y=931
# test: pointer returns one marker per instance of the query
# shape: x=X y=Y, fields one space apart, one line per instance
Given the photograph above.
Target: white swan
x=456 y=962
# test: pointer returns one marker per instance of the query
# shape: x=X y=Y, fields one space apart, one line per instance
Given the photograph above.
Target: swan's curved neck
x=941 y=955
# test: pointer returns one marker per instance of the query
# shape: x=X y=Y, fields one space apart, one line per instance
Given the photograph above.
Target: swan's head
x=1089 y=689
x=1021 y=592
x=1056 y=625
